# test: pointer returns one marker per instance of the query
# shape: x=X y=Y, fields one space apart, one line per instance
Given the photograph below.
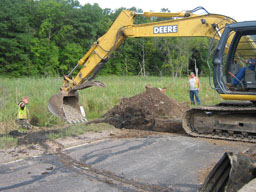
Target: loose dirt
x=151 y=110
x=72 y=115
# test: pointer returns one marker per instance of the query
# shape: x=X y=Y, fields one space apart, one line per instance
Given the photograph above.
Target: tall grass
x=96 y=101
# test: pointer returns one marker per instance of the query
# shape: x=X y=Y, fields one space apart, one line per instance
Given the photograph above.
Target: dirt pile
x=150 y=110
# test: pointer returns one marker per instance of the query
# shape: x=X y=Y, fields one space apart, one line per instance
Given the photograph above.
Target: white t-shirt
x=192 y=84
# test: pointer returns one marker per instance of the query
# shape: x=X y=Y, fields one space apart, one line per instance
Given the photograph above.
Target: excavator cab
x=234 y=64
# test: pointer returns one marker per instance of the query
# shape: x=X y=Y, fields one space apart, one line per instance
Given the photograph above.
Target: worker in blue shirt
x=241 y=73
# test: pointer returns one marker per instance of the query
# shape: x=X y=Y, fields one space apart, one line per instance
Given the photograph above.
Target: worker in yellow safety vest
x=23 y=113
x=194 y=85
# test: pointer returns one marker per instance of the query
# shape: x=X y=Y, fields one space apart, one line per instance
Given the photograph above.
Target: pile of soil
x=150 y=110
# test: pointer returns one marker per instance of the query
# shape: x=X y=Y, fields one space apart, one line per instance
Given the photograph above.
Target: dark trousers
x=194 y=93
x=241 y=73
x=24 y=123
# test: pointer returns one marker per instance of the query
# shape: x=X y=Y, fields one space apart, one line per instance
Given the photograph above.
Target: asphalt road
x=157 y=163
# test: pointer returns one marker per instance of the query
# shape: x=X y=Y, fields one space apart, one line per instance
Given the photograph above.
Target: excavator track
x=226 y=121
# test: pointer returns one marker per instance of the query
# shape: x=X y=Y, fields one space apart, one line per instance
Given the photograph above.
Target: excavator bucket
x=230 y=173
x=65 y=105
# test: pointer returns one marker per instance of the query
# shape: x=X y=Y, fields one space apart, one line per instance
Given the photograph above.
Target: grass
x=96 y=101
x=7 y=142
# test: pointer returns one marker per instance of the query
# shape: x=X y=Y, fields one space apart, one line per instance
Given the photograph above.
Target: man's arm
x=198 y=84
x=28 y=113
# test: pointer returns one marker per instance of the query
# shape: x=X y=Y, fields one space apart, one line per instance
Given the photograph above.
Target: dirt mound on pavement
x=150 y=110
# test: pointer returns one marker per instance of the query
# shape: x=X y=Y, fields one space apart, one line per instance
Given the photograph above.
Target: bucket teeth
x=84 y=120
x=74 y=121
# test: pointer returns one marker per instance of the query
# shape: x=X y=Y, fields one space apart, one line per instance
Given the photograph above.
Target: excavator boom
x=182 y=24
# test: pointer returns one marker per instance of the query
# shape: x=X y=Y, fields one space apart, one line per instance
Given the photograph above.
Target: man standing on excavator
x=23 y=114
x=194 y=85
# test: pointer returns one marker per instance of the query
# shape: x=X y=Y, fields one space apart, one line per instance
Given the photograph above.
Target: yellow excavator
x=230 y=120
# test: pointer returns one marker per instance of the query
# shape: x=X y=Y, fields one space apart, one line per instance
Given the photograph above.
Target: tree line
x=48 y=37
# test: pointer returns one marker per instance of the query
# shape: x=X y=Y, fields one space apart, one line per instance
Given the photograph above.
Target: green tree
x=45 y=57
x=69 y=57
x=48 y=37
x=14 y=41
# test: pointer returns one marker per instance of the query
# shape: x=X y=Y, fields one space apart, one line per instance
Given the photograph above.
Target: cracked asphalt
x=164 y=162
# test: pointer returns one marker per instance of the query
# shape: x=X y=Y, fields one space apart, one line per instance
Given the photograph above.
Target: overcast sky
x=244 y=10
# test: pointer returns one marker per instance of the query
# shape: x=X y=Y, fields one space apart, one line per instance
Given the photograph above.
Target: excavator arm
x=181 y=24
x=184 y=25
